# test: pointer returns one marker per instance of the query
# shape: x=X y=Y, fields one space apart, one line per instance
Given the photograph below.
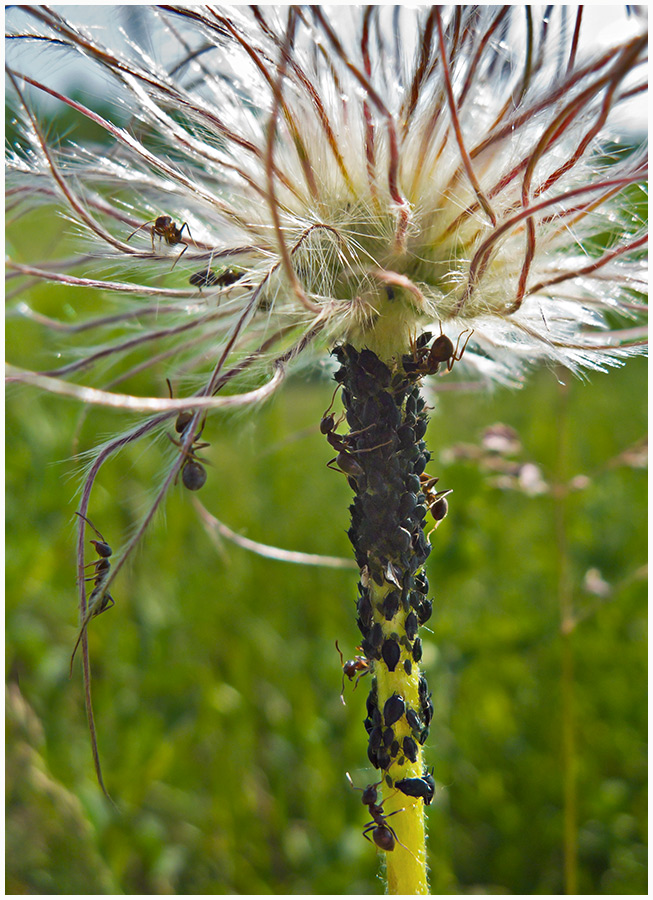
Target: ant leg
x=342 y=691
x=88 y=522
x=139 y=228
x=371 y=828
x=190 y=452
x=175 y=441
x=456 y=357
x=387 y=815
x=91 y=611
x=198 y=434
x=394 y=834
x=110 y=602
x=90 y=578
x=179 y=257
x=360 y=430
x=471 y=332
x=185 y=225
x=369 y=449
x=333 y=400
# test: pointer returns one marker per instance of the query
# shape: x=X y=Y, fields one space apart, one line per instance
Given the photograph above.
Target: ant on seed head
x=209 y=278
x=427 y=362
x=383 y=835
x=164 y=227
x=350 y=667
x=193 y=473
x=203 y=278
x=442 y=350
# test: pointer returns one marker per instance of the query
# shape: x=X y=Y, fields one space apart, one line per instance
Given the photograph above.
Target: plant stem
x=384 y=456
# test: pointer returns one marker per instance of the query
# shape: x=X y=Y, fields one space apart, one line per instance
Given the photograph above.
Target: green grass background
x=216 y=681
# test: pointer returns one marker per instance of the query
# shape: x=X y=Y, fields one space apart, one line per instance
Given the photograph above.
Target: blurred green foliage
x=216 y=680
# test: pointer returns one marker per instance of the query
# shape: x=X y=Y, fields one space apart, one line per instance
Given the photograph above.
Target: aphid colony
x=384 y=458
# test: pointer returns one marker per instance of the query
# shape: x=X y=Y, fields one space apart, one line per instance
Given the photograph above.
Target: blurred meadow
x=216 y=682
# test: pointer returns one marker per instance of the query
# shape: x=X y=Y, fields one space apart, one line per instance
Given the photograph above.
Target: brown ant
x=97 y=602
x=193 y=473
x=427 y=362
x=383 y=835
x=102 y=566
x=350 y=667
x=442 y=350
x=209 y=277
x=204 y=278
x=344 y=461
x=436 y=501
x=164 y=227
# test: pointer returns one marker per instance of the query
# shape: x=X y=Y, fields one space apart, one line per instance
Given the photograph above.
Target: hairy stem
x=384 y=458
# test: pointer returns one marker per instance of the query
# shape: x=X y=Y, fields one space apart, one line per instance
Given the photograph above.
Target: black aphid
x=393 y=709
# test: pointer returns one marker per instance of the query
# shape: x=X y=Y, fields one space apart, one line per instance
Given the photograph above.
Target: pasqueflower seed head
x=279 y=179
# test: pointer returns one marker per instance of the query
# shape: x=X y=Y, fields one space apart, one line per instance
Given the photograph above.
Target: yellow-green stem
x=405 y=866
x=384 y=457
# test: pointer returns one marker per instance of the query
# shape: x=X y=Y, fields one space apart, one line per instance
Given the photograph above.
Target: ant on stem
x=344 y=461
x=436 y=501
x=99 y=601
x=102 y=566
x=350 y=667
x=193 y=473
x=383 y=835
